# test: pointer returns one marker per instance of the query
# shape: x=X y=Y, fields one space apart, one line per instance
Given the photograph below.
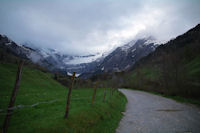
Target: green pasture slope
x=48 y=115
x=150 y=75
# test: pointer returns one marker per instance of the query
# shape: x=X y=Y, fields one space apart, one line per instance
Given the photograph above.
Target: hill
x=40 y=104
x=172 y=69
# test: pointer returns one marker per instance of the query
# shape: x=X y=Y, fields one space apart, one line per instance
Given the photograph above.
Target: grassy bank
x=48 y=114
x=180 y=99
x=182 y=86
x=176 y=98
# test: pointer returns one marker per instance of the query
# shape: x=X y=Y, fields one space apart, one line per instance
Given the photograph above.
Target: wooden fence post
x=13 y=97
x=104 y=97
x=68 y=96
x=94 y=94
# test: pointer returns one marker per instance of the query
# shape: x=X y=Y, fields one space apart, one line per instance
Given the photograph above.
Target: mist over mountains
x=90 y=27
x=120 y=59
x=92 y=37
x=87 y=59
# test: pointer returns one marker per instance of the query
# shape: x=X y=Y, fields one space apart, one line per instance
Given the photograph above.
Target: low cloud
x=87 y=27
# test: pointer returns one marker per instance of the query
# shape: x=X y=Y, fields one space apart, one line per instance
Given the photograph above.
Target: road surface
x=149 y=113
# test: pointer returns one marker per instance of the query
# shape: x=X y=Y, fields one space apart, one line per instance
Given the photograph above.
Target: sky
x=82 y=27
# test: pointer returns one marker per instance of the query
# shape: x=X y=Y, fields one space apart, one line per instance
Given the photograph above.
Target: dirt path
x=148 y=113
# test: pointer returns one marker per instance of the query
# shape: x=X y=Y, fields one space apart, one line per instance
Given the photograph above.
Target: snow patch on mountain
x=133 y=50
x=9 y=43
x=81 y=59
x=128 y=46
x=70 y=74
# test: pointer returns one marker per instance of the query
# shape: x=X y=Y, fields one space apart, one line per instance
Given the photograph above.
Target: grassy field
x=48 y=115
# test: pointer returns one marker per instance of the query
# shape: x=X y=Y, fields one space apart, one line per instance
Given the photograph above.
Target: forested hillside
x=172 y=69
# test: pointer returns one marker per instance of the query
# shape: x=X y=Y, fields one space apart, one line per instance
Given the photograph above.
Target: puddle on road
x=169 y=110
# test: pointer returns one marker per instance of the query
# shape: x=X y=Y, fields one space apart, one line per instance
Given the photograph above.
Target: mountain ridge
x=124 y=57
x=63 y=63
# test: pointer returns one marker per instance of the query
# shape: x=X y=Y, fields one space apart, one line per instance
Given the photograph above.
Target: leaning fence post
x=94 y=94
x=13 y=97
x=68 y=96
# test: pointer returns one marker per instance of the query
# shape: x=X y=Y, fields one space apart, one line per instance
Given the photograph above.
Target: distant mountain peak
x=124 y=57
x=120 y=59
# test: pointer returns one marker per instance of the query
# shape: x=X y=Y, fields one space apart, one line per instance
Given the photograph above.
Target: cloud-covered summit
x=86 y=27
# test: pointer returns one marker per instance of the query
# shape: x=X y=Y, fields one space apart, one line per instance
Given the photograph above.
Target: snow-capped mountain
x=50 y=58
x=124 y=57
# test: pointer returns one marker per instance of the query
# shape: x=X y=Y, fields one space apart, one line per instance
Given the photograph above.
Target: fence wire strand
x=20 y=106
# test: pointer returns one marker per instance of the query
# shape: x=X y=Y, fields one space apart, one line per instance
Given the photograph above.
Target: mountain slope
x=172 y=69
x=124 y=57
x=41 y=102
x=119 y=60
x=49 y=58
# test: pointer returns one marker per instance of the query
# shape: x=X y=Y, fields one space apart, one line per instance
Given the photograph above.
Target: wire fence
x=20 y=106
x=10 y=110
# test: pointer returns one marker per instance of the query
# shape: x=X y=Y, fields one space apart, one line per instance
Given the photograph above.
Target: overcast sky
x=84 y=27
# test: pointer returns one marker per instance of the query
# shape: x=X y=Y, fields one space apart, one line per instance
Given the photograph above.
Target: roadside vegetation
x=172 y=70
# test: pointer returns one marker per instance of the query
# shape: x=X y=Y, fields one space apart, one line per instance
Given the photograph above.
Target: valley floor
x=41 y=105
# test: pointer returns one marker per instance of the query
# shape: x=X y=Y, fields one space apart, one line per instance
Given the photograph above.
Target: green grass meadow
x=48 y=115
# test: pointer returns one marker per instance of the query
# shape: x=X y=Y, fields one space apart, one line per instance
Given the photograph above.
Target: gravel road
x=149 y=113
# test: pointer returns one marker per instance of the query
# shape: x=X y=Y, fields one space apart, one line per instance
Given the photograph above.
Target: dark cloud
x=82 y=27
